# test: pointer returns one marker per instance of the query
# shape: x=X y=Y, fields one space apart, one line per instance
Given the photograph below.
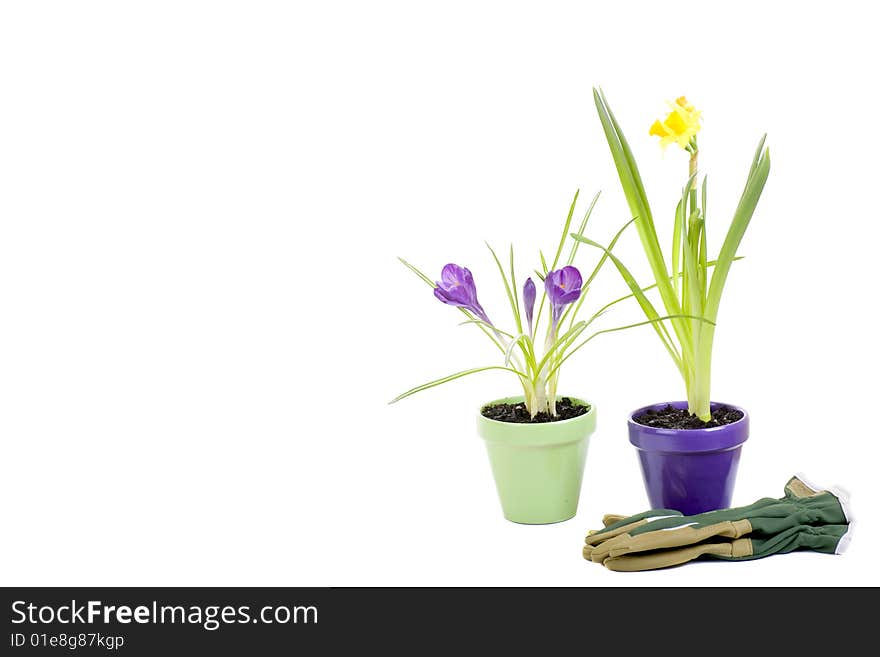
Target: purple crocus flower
x=456 y=288
x=529 y=300
x=563 y=286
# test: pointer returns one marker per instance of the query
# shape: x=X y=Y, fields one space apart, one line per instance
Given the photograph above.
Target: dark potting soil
x=679 y=418
x=518 y=413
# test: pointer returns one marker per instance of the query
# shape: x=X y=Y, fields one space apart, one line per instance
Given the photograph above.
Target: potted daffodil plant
x=536 y=441
x=689 y=450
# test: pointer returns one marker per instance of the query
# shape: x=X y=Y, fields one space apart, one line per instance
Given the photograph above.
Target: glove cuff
x=800 y=486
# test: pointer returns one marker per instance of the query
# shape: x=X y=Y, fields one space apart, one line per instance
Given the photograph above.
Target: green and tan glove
x=805 y=518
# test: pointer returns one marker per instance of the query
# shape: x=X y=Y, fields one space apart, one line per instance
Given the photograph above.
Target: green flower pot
x=538 y=468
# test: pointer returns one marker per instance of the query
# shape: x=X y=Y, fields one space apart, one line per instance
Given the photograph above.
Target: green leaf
x=634 y=190
x=691 y=302
x=453 y=377
x=480 y=322
x=646 y=306
x=576 y=307
x=518 y=312
x=510 y=296
x=518 y=340
x=582 y=228
x=704 y=264
x=704 y=205
x=676 y=253
x=756 y=158
x=699 y=393
x=565 y=230
x=569 y=335
x=741 y=218
x=606 y=253
x=648 y=288
x=482 y=326
x=623 y=328
x=681 y=223
x=417 y=272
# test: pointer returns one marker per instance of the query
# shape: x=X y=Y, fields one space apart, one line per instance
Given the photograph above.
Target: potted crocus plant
x=689 y=450
x=536 y=441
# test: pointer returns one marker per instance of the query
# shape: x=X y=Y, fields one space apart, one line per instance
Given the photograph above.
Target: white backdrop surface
x=202 y=317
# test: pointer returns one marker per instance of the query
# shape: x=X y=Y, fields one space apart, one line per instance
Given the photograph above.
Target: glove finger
x=675 y=557
x=664 y=539
x=616 y=525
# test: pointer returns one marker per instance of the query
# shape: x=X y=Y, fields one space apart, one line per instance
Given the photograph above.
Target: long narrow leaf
x=634 y=190
x=565 y=230
x=537 y=315
x=575 y=308
x=621 y=328
x=704 y=241
x=453 y=377
x=518 y=312
x=646 y=306
x=417 y=272
x=482 y=326
x=703 y=206
x=676 y=255
x=513 y=343
x=606 y=252
x=690 y=299
x=648 y=288
x=692 y=302
x=480 y=322
x=574 y=331
x=510 y=295
x=582 y=228
x=741 y=218
x=702 y=262
x=757 y=156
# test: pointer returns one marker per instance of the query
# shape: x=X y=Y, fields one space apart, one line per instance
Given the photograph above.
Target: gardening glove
x=804 y=518
x=823 y=538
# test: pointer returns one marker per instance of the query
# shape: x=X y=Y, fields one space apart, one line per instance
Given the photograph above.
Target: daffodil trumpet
x=564 y=291
x=683 y=282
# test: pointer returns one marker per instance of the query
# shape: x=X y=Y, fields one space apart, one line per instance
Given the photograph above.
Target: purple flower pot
x=690 y=470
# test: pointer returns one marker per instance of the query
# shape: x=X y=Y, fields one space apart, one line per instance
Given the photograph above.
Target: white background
x=202 y=317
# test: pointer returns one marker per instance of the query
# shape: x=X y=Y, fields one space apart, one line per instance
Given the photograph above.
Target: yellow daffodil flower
x=682 y=124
